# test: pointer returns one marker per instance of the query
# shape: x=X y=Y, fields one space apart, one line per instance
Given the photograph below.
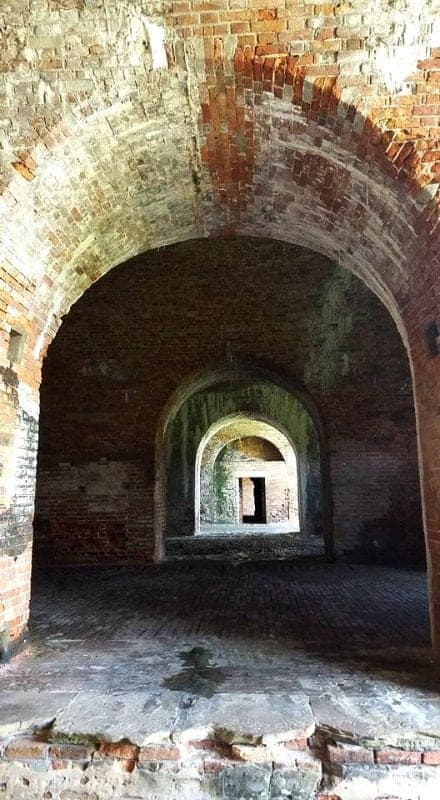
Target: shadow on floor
x=268 y=626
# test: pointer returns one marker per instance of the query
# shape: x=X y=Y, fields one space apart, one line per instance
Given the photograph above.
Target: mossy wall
x=222 y=502
x=220 y=465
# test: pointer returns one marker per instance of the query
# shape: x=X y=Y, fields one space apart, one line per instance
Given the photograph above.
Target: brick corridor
x=342 y=605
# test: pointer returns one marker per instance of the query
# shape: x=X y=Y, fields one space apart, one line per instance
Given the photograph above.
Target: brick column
x=18 y=449
x=427 y=389
x=420 y=314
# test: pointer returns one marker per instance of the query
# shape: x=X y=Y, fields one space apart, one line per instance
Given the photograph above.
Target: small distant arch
x=241 y=425
x=224 y=373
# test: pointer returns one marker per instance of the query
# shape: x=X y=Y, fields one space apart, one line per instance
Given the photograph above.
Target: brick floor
x=343 y=605
x=330 y=633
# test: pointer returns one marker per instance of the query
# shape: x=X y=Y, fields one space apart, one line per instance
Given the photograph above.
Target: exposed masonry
x=205 y=410
x=121 y=131
x=319 y=767
x=94 y=69
x=220 y=491
x=283 y=505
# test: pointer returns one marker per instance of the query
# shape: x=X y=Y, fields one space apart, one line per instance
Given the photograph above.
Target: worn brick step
x=277 y=545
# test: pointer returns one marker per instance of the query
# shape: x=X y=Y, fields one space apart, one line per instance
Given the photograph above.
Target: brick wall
x=222 y=504
x=18 y=449
x=150 y=324
x=92 y=512
x=258 y=403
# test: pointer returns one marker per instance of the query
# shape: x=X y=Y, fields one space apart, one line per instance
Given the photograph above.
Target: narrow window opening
x=15 y=346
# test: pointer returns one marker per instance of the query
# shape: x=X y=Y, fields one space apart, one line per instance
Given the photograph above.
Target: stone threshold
x=252 y=747
x=252 y=546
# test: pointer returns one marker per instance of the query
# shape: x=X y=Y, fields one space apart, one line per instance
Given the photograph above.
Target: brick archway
x=251 y=120
x=233 y=373
x=235 y=426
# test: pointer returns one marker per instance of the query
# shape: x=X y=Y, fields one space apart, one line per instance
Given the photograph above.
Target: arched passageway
x=147 y=362
x=272 y=136
x=130 y=126
x=141 y=385
x=246 y=475
x=214 y=410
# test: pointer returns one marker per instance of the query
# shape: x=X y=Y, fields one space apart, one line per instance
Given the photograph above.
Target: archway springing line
x=246 y=476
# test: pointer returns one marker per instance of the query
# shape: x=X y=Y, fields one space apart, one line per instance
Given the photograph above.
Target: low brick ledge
x=212 y=752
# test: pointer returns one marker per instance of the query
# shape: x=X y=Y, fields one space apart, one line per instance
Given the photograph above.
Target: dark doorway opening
x=252 y=492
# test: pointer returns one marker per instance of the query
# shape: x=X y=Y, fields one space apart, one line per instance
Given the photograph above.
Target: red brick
x=350 y=754
x=71 y=752
x=159 y=753
x=24 y=749
x=213 y=746
x=117 y=750
x=328 y=797
x=126 y=764
x=267 y=13
x=432 y=757
x=398 y=757
x=296 y=744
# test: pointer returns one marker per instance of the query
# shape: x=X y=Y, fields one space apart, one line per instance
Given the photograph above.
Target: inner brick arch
x=233 y=427
x=309 y=186
x=71 y=166
x=315 y=181
x=228 y=373
x=354 y=173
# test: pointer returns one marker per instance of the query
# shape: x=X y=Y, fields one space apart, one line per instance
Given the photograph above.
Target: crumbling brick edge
x=212 y=755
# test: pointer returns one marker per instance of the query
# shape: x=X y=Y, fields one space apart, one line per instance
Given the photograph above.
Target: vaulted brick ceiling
x=130 y=125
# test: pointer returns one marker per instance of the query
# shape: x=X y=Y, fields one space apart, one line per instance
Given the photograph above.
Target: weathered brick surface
x=432 y=758
x=350 y=754
x=25 y=749
x=279 y=417
x=315 y=123
x=239 y=768
x=250 y=454
x=296 y=744
x=398 y=757
x=158 y=753
x=70 y=752
x=117 y=750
